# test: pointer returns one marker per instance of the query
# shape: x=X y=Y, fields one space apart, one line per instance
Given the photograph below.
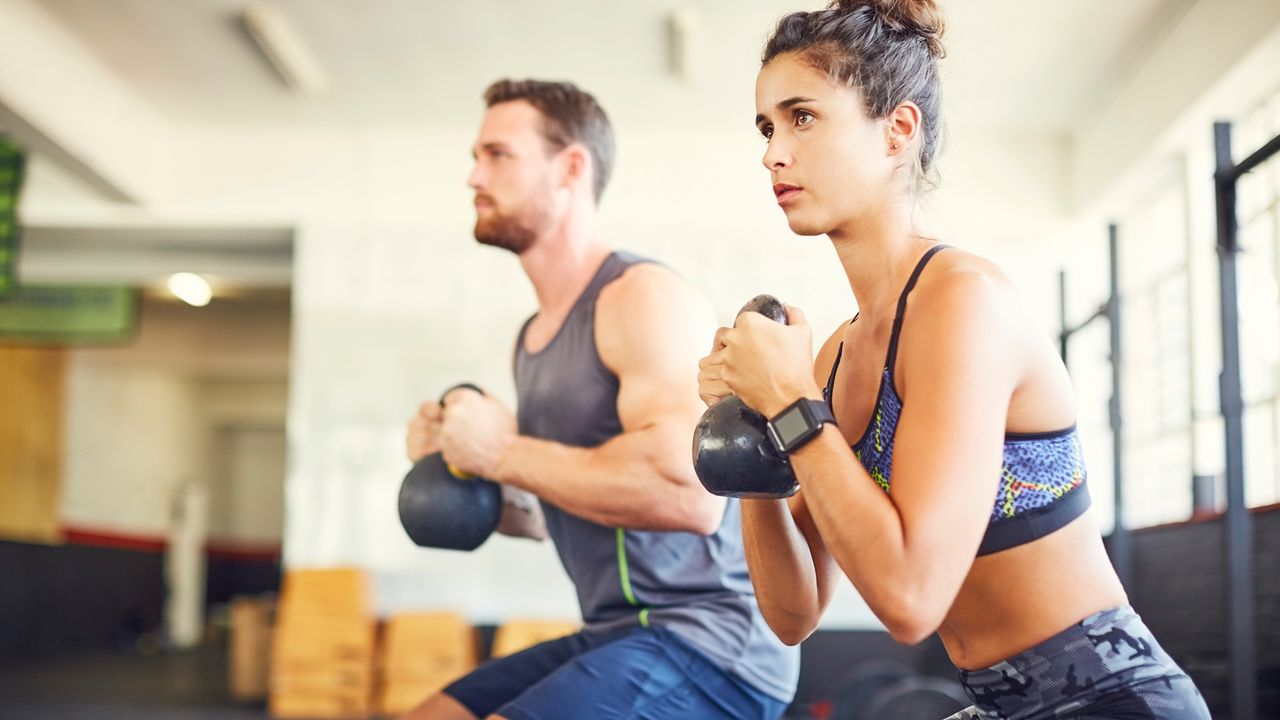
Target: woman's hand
x=711 y=385
x=766 y=364
x=422 y=437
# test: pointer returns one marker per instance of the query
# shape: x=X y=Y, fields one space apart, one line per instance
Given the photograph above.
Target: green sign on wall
x=12 y=163
x=34 y=314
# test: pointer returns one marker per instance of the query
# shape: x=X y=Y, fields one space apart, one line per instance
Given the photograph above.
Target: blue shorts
x=642 y=673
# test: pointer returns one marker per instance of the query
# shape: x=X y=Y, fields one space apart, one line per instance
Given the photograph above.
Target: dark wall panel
x=1179 y=589
x=61 y=599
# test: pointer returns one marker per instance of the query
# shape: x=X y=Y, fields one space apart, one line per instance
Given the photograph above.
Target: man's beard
x=517 y=232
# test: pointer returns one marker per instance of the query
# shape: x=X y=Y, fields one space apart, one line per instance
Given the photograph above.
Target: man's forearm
x=637 y=480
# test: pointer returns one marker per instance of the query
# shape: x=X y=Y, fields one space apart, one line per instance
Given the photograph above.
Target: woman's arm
x=908 y=553
x=793 y=572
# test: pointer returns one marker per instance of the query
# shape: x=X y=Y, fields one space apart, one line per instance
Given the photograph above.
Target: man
x=607 y=403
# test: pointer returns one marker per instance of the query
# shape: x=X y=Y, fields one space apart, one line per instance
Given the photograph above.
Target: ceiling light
x=285 y=49
x=190 y=289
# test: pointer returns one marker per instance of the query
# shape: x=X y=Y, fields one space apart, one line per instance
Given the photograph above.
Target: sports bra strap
x=892 y=356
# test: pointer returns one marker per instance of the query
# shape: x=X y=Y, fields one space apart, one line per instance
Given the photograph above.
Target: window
x=1155 y=286
x=1258 y=274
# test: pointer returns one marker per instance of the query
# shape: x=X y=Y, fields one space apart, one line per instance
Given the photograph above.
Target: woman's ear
x=902 y=126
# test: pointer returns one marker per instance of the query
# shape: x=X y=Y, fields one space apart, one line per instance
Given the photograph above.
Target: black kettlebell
x=732 y=453
x=442 y=507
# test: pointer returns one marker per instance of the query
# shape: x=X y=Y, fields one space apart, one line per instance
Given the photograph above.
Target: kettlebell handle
x=459 y=386
x=469 y=386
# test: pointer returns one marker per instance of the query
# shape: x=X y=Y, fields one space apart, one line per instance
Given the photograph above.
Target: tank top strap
x=613 y=266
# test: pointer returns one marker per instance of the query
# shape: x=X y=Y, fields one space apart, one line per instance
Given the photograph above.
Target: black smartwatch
x=799 y=423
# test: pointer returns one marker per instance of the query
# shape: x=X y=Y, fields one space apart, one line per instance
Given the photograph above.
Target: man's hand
x=475 y=432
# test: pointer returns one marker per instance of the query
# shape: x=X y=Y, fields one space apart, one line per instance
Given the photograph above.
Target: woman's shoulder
x=957 y=279
x=961 y=310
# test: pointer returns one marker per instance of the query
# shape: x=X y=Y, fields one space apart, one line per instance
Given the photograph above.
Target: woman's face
x=829 y=163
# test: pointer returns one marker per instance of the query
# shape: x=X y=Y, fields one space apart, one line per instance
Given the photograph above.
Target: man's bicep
x=654 y=331
x=647 y=398
x=658 y=374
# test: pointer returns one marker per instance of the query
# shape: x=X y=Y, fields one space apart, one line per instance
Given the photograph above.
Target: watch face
x=791 y=425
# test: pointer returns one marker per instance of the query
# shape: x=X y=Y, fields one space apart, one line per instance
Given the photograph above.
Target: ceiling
x=1013 y=65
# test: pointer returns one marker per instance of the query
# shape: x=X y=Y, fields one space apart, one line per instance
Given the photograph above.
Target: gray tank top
x=695 y=586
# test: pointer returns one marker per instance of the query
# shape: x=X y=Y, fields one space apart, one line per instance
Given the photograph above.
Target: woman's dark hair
x=887 y=49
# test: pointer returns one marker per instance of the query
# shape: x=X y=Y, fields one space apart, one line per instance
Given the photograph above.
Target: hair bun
x=918 y=17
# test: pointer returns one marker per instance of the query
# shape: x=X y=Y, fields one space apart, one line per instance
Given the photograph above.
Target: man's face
x=512 y=178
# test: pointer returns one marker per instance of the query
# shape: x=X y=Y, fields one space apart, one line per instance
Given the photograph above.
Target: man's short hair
x=569 y=115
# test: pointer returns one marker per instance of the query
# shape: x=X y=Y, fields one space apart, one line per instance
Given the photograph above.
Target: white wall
x=196 y=397
x=133 y=435
x=247 y=505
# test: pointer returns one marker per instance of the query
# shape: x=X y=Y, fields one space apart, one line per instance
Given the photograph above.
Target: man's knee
x=439 y=707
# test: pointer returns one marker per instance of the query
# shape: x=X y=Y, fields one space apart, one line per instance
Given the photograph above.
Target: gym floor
x=110 y=685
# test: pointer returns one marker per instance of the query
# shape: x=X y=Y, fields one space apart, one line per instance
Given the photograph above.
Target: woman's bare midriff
x=1014 y=600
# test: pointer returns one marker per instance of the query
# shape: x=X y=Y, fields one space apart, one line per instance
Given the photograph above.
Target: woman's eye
x=803 y=118
x=767 y=132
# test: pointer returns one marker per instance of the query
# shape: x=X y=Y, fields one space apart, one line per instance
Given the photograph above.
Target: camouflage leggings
x=1106 y=666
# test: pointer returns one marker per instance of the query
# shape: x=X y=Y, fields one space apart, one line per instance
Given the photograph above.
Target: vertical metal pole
x=1238 y=538
x=1063 y=332
x=1121 y=542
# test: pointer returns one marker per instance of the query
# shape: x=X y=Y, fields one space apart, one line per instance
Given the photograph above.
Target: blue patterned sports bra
x=1042 y=478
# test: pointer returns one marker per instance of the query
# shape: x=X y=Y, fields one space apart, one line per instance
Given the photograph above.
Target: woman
x=950 y=488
